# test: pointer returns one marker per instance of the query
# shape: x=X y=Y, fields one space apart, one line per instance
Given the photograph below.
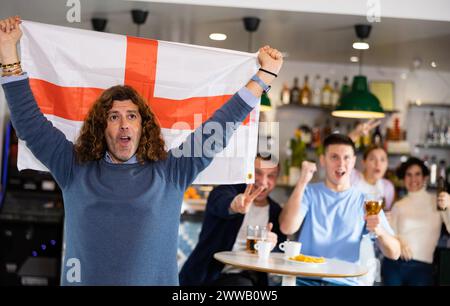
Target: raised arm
x=290 y=217
x=198 y=150
x=241 y=203
x=270 y=60
x=10 y=34
x=219 y=201
x=47 y=143
x=363 y=129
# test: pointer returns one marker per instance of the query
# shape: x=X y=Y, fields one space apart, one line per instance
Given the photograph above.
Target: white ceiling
x=305 y=36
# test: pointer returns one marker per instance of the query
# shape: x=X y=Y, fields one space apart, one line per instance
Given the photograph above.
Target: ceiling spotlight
x=417 y=62
x=99 y=24
x=362 y=32
x=433 y=64
x=217 y=36
x=354 y=59
x=139 y=17
x=251 y=25
x=360 y=45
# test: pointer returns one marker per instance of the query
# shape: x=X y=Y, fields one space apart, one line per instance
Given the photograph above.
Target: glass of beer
x=255 y=233
x=373 y=203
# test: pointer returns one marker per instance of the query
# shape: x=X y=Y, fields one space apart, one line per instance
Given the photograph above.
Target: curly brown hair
x=91 y=143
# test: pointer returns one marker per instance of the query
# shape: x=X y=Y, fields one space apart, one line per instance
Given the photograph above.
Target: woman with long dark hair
x=417 y=222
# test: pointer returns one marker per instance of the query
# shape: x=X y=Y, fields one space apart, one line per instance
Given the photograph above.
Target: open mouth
x=339 y=173
x=124 y=139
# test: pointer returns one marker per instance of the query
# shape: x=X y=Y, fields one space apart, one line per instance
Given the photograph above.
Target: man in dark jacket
x=229 y=210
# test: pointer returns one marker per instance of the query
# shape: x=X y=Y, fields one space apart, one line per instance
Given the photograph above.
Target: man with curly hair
x=122 y=191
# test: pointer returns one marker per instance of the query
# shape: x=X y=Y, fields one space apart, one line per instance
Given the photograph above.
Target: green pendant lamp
x=265 y=103
x=359 y=102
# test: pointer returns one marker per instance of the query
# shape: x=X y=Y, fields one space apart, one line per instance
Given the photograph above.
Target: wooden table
x=276 y=264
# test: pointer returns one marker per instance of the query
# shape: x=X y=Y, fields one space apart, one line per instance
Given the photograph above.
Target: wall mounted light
x=217 y=36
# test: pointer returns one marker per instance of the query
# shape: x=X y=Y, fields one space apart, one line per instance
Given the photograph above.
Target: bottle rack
x=324 y=108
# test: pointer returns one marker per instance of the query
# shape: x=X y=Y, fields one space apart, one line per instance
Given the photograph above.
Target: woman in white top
x=417 y=222
x=375 y=164
x=371 y=181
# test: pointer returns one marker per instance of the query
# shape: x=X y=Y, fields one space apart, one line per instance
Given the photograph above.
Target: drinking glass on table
x=255 y=233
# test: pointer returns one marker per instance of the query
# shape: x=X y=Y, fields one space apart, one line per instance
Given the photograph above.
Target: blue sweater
x=121 y=220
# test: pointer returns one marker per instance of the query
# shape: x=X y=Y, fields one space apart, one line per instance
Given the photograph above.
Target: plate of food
x=301 y=258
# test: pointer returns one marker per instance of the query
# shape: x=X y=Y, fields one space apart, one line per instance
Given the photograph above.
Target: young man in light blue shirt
x=332 y=214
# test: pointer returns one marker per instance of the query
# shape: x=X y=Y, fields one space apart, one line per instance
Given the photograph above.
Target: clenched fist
x=270 y=59
x=307 y=172
x=10 y=34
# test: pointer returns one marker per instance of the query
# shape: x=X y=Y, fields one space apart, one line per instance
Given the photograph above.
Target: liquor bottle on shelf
x=433 y=171
x=326 y=129
x=326 y=93
x=306 y=135
x=397 y=132
x=425 y=161
x=335 y=94
x=358 y=140
x=305 y=93
x=316 y=91
x=348 y=129
x=441 y=180
x=345 y=89
x=295 y=93
x=365 y=141
x=337 y=127
x=443 y=130
x=285 y=94
x=377 y=138
x=287 y=161
x=447 y=133
x=316 y=139
x=431 y=130
x=286 y=166
x=447 y=175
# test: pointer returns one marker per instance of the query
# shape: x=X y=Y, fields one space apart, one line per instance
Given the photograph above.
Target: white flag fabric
x=183 y=84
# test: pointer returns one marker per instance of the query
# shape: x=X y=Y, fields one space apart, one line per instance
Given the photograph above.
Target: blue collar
x=132 y=160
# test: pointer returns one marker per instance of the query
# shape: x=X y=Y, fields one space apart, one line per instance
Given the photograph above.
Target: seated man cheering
x=229 y=210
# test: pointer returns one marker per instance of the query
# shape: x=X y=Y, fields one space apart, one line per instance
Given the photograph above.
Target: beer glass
x=373 y=203
x=255 y=233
